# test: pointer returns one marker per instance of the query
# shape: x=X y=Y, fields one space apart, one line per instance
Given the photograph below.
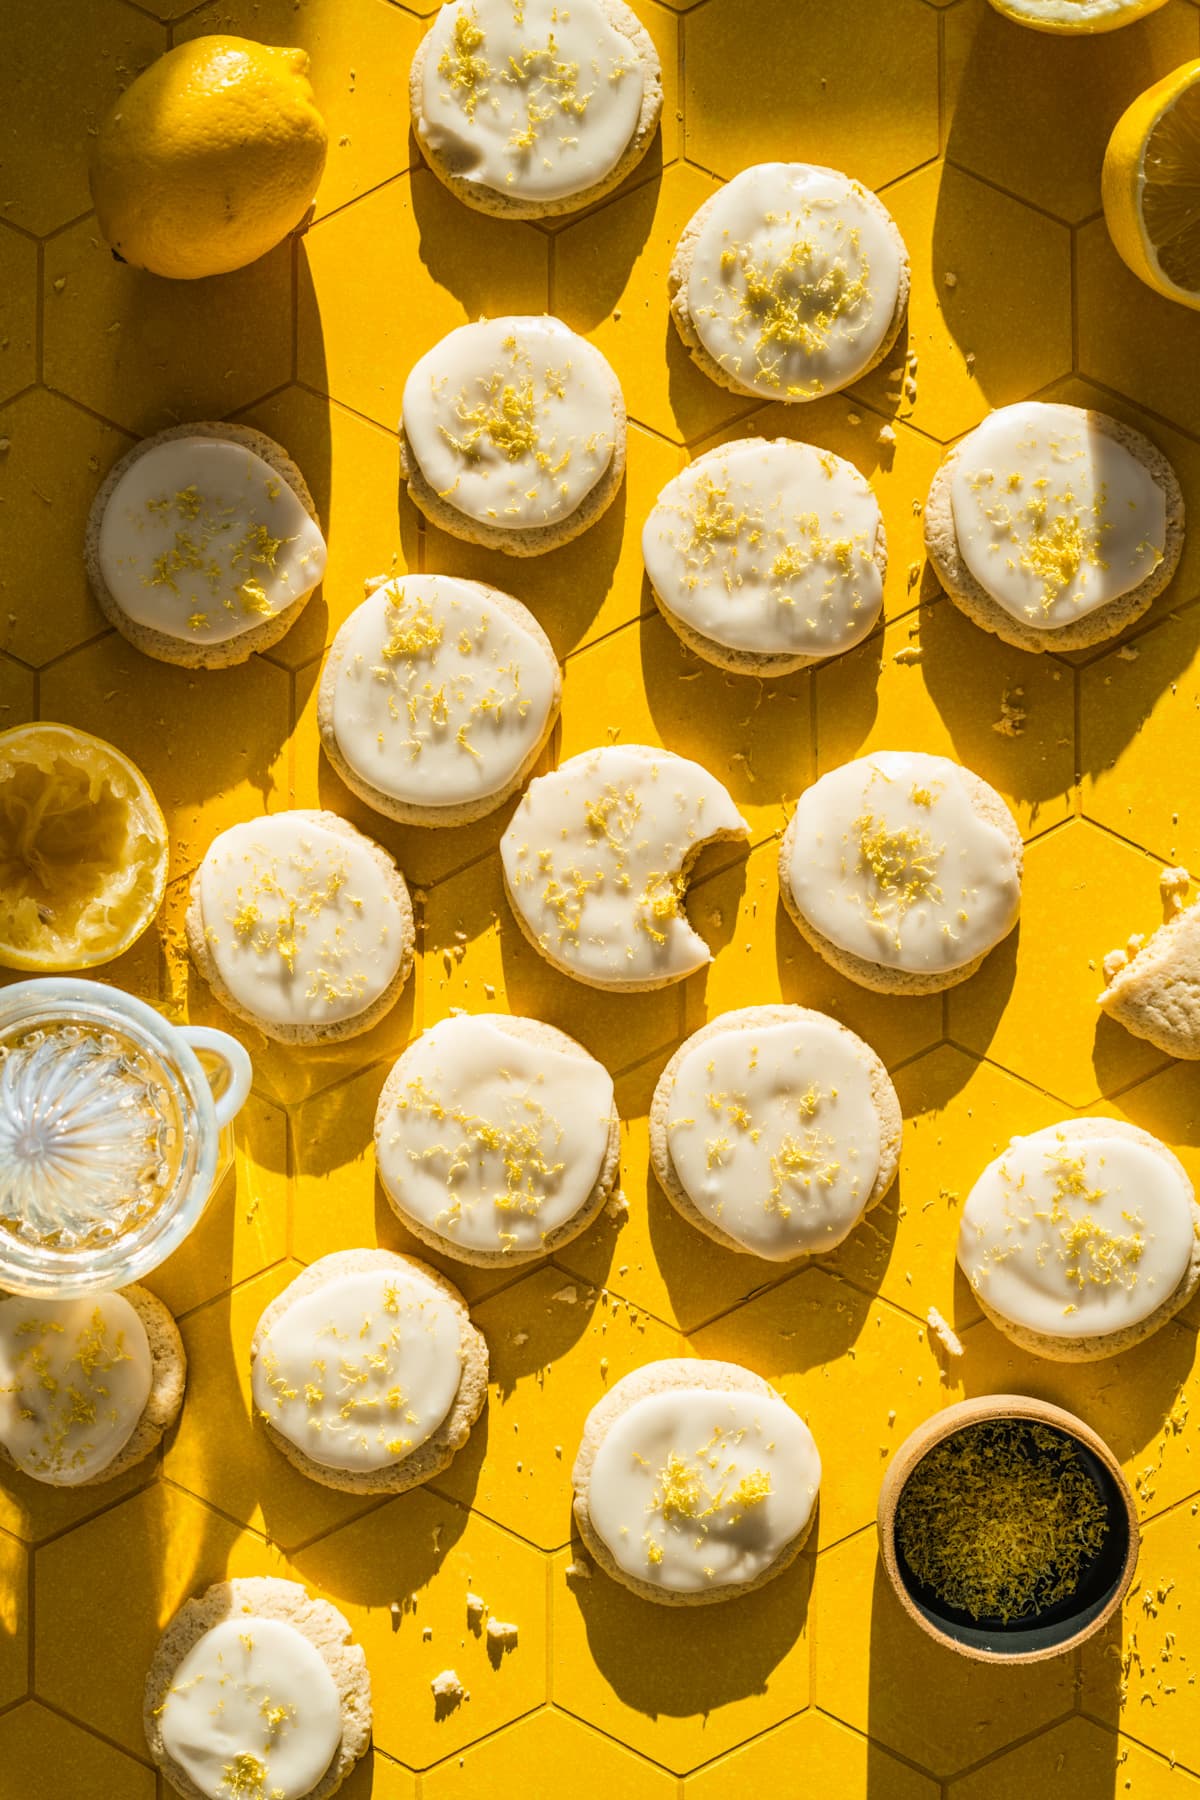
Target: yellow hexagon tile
x=1139 y=725
x=1006 y=91
x=18 y=312
x=16 y=689
x=786 y=1760
x=551 y=1750
x=556 y=1346
x=54 y=103
x=813 y=88
x=34 y=1741
x=377 y=1777
x=760 y=957
x=880 y=1673
x=427 y=275
x=57 y=456
x=700 y=1682
x=1006 y=714
x=360 y=52
x=1085 y=1759
x=1079 y=889
x=1142 y=1677
x=33 y=1512
x=1130 y=338
x=163 y=717
x=1168 y=1105
x=976 y=343
x=401 y=1576
x=14 y=1620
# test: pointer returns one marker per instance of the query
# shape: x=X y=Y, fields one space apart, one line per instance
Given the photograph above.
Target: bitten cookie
x=694 y=1482
x=203 y=545
x=1054 y=527
x=367 y=1372
x=437 y=698
x=301 y=926
x=766 y=556
x=497 y=1138
x=790 y=282
x=902 y=870
x=87 y=1387
x=1081 y=1240
x=773 y=1129
x=257 y=1689
x=513 y=434
x=1153 y=985
x=596 y=860
x=528 y=108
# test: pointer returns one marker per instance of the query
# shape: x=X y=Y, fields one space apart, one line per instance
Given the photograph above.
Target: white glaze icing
x=1052 y=517
x=253 y=1712
x=892 y=861
x=774 y=1135
x=202 y=541
x=694 y=1488
x=495 y=1141
x=511 y=420
x=768 y=547
x=1073 y=1236
x=440 y=696
x=794 y=280
x=594 y=858
x=75 y=1376
x=301 y=923
x=530 y=98
x=360 y=1372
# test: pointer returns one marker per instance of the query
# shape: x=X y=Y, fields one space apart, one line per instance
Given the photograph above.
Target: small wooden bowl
x=1065 y=1626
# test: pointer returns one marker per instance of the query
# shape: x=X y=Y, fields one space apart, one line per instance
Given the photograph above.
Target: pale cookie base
x=1109 y=1343
x=160 y=644
x=1156 y=995
x=971 y=598
x=535 y=1032
x=876 y=976
x=438 y=1451
x=402 y=810
x=534 y=540
x=168 y=1379
x=763 y=664
x=760 y=1018
x=202 y=956
x=677 y=286
x=502 y=205
x=290 y=1604
x=657 y=1378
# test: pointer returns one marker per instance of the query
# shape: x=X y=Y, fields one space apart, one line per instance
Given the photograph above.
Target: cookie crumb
x=1011 y=722
x=568 y=1295
x=911 y=653
x=502 y=1637
x=1173 y=885
x=944 y=1332
x=950 y=279
x=578 y=1571
x=476 y=1612
x=1128 y=653
x=448 y=1693
x=885 y=436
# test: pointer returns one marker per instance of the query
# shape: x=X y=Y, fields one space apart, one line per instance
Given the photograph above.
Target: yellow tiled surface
x=986 y=141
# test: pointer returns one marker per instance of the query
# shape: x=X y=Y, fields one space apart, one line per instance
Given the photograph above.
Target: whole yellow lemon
x=209 y=159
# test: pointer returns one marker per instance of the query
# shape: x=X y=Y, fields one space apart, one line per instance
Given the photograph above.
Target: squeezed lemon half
x=1076 y=17
x=1150 y=186
x=83 y=850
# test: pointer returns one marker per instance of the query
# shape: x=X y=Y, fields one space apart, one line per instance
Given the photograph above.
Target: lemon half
x=1150 y=186
x=83 y=850
x=209 y=159
x=1076 y=17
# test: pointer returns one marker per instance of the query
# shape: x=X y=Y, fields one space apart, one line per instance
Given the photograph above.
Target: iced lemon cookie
x=203 y=545
x=1082 y=1239
x=1152 y=986
x=902 y=870
x=497 y=1138
x=437 y=698
x=513 y=434
x=367 y=1372
x=773 y=1129
x=87 y=1387
x=257 y=1690
x=301 y=926
x=694 y=1482
x=1053 y=526
x=790 y=282
x=596 y=859
x=767 y=556
x=526 y=108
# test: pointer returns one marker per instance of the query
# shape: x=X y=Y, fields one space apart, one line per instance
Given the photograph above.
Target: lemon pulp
x=1171 y=190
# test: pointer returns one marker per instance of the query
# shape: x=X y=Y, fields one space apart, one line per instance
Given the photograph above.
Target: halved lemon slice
x=83 y=850
x=1151 y=186
x=1076 y=17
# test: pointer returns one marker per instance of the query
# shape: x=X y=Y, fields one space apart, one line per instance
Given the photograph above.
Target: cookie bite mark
x=596 y=860
x=1152 y=986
